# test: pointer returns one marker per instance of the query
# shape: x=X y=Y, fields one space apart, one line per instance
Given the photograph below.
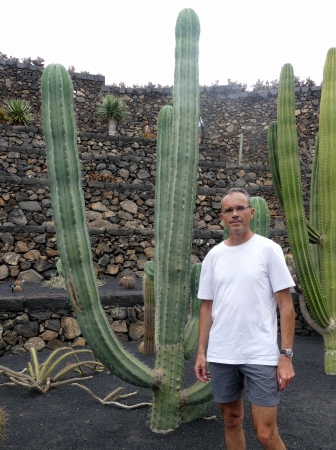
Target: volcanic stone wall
x=118 y=172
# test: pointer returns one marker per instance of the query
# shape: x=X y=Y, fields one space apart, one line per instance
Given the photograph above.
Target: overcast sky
x=133 y=41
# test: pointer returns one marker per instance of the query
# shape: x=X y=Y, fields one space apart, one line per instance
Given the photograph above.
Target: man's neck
x=238 y=239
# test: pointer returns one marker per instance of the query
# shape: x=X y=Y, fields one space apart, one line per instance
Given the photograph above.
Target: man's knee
x=267 y=436
x=233 y=414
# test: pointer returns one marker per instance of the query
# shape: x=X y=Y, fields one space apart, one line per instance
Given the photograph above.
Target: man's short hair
x=237 y=189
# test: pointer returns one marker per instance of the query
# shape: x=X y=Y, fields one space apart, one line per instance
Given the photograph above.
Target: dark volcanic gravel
x=68 y=418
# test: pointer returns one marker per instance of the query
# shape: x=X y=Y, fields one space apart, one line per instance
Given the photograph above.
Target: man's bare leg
x=265 y=425
x=233 y=416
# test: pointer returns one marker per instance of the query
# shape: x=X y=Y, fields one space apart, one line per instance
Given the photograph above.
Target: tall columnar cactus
x=313 y=243
x=260 y=224
x=175 y=199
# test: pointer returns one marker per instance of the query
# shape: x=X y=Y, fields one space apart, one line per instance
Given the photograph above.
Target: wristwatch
x=288 y=352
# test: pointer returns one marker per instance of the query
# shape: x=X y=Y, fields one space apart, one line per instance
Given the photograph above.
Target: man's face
x=236 y=213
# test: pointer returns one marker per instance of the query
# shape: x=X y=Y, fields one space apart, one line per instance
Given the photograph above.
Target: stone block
x=136 y=330
x=27 y=330
x=37 y=343
x=119 y=326
x=79 y=342
x=70 y=328
x=49 y=335
x=55 y=344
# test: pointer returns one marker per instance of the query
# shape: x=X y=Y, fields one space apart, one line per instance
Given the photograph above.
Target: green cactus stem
x=314 y=235
x=72 y=235
x=175 y=199
x=191 y=329
x=316 y=268
x=147 y=347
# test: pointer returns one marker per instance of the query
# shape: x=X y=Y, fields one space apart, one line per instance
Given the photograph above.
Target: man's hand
x=201 y=369
x=285 y=372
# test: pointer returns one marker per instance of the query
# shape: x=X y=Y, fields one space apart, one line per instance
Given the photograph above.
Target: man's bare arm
x=287 y=326
x=205 y=323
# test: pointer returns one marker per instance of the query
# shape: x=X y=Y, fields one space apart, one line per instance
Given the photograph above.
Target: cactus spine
x=316 y=268
x=175 y=200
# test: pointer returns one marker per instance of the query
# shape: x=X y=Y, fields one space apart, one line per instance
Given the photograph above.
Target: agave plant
x=18 y=112
x=112 y=110
x=42 y=377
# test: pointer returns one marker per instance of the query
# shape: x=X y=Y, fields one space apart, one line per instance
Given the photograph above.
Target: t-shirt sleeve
x=278 y=272
x=205 y=290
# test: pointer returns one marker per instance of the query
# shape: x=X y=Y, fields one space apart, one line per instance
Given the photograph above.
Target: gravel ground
x=68 y=418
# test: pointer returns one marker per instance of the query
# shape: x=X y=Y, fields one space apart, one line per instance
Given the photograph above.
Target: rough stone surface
x=136 y=330
x=27 y=330
x=49 y=335
x=119 y=326
x=4 y=271
x=37 y=343
x=79 y=342
x=70 y=327
x=30 y=275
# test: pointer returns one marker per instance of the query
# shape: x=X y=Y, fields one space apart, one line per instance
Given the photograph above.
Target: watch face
x=288 y=352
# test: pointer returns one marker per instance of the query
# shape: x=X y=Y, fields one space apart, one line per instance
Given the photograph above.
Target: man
x=243 y=279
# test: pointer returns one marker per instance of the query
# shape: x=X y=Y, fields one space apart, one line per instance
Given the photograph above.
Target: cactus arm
x=289 y=169
x=327 y=180
x=314 y=235
x=196 y=394
x=260 y=224
x=314 y=209
x=149 y=269
x=163 y=177
x=148 y=347
x=193 y=412
x=172 y=258
x=272 y=138
x=191 y=328
x=72 y=235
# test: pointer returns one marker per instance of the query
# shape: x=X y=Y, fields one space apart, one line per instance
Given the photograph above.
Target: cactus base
x=330 y=353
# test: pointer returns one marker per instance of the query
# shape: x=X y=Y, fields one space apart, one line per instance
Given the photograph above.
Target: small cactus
x=128 y=282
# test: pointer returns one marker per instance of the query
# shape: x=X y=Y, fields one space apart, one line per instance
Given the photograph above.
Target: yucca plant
x=112 y=110
x=18 y=112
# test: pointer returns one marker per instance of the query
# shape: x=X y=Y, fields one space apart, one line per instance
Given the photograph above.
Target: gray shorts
x=227 y=383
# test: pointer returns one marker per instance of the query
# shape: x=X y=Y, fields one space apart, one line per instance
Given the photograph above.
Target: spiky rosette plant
x=112 y=110
x=175 y=199
x=18 y=112
x=313 y=243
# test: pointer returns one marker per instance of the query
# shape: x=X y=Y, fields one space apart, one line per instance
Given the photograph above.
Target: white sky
x=133 y=40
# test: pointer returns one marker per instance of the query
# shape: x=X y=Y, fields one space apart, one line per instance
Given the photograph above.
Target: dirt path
x=68 y=418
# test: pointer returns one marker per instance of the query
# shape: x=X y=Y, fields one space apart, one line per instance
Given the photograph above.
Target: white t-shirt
x=241 y=280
